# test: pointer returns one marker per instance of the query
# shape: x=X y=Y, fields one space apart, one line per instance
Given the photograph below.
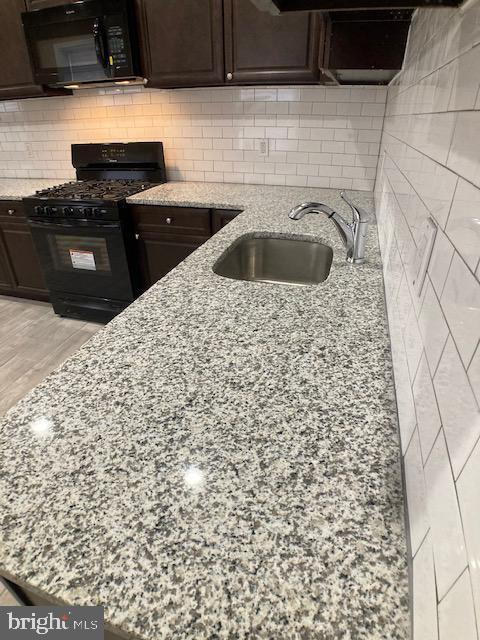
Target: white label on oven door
x=83 y=260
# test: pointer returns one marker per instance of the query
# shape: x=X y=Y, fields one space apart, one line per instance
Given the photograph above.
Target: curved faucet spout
x=353 y=234
x=301 y=210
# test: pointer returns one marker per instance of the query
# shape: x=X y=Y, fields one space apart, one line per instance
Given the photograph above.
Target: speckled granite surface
x=18 y=188
x=221 y=461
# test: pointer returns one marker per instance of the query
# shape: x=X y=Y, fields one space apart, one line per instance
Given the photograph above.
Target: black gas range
x=98 y=199
x=83 y=233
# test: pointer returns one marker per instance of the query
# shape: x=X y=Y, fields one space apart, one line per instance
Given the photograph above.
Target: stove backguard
x=117 y=160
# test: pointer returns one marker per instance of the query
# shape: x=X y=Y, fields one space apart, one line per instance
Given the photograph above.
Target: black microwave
x=83 y=42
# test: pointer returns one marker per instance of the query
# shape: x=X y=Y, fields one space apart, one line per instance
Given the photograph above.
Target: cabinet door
x=6 y=280
x=221 y=217
x=183 y=42
x=159 y=254
x=16 y=80
x=265 y=48
x=166 y=236
x=20 y=252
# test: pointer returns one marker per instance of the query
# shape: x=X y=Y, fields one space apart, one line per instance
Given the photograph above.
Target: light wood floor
x=33 y=342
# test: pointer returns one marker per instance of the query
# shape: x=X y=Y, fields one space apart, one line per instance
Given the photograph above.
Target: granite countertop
x=222 y=460
x=18 y=188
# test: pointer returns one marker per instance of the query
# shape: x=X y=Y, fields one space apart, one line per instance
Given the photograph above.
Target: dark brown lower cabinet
x=20 y=270
x=221 y=217
x=5 y=273
x=166 y=236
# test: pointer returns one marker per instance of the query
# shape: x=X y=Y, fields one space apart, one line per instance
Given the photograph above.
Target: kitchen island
x=222 y=459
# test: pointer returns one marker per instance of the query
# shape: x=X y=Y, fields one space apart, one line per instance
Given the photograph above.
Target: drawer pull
x=11 y=212
x=168 y=220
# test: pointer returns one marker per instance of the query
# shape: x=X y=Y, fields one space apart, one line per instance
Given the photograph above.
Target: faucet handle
x=359 y=214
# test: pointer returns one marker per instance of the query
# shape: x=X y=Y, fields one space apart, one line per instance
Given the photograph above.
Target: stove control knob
x=38 y=211
x=87 y=212
x=96 y=212
x=68 y=211
x=48 y=211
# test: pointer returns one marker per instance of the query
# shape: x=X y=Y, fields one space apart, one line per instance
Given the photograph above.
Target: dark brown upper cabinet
x=16 y=78
x=183 y=42
x=217 y=42
x=263 y=48
x=366 y=47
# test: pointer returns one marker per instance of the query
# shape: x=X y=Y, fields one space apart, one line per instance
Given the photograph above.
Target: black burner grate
x=95 y=189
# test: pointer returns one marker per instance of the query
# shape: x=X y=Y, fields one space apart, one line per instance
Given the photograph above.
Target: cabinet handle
x=229 y=76
x=11 y=212
x=168 y=221
x=137 y=236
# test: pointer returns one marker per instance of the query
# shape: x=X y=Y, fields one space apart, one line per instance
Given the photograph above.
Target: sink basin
x=276 y=259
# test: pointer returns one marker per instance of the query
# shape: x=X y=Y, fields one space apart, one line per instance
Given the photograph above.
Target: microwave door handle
x=100 y=44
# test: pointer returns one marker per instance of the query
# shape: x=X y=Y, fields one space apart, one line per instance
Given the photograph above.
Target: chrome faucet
x=353 y=234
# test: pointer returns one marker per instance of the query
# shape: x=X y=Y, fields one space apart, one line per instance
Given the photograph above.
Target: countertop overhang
x=18 y=188
x=222 y=459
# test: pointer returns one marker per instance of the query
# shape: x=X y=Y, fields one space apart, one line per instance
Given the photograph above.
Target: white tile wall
x=425 y=625
x=317 y=136
x=430 y=166
x=468 y=493
x=456 y=613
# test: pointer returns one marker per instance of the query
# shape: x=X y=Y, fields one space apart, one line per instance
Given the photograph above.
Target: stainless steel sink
x=277 y=259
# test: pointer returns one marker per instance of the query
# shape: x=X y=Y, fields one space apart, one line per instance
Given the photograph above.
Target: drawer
x=11 y=209
x=179 y=220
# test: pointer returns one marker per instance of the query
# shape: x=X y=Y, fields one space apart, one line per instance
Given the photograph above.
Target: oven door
x=86 y=257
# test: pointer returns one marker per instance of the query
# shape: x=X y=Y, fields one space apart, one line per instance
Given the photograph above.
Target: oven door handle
x=66 y=225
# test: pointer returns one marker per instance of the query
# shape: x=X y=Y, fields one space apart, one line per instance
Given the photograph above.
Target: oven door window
x=84 y=257
x=73 y=253
x=70 y=52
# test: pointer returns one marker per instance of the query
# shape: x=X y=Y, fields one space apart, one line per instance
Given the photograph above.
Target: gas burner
x=95 y=190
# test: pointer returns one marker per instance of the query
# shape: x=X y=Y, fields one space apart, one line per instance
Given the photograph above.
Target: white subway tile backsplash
x=433 y=327
x=425 y=625
x=468 y=494
x=430 y=165
x=444 y=515
x=461 y=304
x=464 y=156
x=195 y=122
x=413 y=343
x=474 y=374
x=416 y=493
x=459 y=411
x=440 y=261
x=405 y=401
x=466 y=81
x=455 y=612
x=428 y=416
x=463 y=225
